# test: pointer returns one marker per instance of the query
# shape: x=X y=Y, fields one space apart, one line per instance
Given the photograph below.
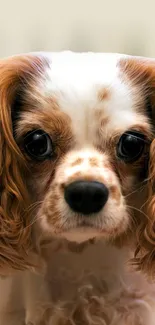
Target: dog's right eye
x=38 y=145
x=130 y=146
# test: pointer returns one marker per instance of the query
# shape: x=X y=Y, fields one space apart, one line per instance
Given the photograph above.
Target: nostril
x=86 y=197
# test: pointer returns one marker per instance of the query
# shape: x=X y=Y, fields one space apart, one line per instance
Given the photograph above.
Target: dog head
x=77 y=151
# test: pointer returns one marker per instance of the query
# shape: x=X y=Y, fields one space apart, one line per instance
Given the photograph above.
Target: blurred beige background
x=79 y=25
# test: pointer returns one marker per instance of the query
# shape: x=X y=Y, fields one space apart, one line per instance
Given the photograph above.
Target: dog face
x=77 y=141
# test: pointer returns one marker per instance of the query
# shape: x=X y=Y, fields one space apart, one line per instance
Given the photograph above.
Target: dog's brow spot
x=78 y=161
x=115 y=193
x=93 y=162
x=103 y=94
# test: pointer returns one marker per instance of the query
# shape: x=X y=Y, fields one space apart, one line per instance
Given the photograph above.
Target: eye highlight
x=38 y=145
x=130 y=146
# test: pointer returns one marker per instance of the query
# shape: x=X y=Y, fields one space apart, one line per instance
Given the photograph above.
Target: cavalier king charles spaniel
x=77 y=182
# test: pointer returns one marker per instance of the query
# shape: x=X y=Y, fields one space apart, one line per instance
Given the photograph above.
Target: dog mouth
x=81 y=233
x=79 y=228
x=85 y=230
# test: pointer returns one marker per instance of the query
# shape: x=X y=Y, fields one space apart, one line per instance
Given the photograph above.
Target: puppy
x=77 y=203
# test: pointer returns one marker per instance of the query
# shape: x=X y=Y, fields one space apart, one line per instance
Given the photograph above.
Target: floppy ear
x=15 y=233
x=145 y=255
x=141 y=72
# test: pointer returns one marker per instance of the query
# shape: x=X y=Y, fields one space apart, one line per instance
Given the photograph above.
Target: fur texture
x=73 y=268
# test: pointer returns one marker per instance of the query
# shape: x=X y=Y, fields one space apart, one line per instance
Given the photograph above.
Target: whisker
x=134 y=191
x=148 y=178
x=136 y=209
x=145 y=203
x=35 y=219
x=63 y=224
x=33 y=205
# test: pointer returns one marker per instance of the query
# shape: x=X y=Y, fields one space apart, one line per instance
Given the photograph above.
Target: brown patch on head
x=93 y=162
x=58 y=127
x=77 y=162
x=36 y=110
x=53 y=122
x=139 y=73
x=103 y=94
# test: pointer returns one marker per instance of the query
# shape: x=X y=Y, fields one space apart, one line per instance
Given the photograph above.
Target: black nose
x=86 y=197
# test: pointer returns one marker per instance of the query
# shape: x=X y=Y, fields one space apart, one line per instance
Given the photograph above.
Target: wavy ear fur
x=141 y=73
x=145 y=255
x=16 y=74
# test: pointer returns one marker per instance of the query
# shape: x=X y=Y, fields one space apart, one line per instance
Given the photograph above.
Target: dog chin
x=81 y=234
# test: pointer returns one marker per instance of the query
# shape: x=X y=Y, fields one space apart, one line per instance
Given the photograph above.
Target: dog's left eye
x=130 y=146
x=38 y=145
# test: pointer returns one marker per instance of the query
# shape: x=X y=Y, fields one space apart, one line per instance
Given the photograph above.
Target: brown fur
x=15 y=238
x=141 y=74
x=103 y=94
x=78 y=161
x=115 y=193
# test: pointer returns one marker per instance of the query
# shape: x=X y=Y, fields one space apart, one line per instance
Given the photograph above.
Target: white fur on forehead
x=81 y=74
x=76 y=80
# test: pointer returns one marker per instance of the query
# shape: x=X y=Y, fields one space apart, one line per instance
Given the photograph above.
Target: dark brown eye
x=130 y=146
x=38 y=145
